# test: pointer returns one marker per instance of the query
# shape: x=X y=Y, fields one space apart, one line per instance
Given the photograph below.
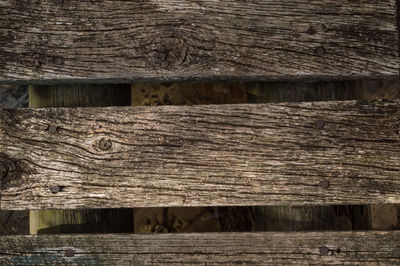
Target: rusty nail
x=320 y=50
x=55 y=189
x=69 y=253
x=323 y=251
x=320 y=124
x=324 y=184
x=58 y=61
x=52 y=129
x=3 y=170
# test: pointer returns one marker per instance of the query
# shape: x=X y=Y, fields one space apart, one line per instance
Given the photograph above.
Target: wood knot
x=165 y=53
x=9 y=117
x=10 y=172
x=104 y=144
x=3 y=170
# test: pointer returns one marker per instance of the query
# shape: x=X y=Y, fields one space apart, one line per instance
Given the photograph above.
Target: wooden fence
x=86 y=150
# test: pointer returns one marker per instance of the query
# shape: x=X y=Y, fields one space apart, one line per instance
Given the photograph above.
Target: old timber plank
x=79 y=221
x=107 y=41
x=211 y=248
x=260 y=218
x=214 y=155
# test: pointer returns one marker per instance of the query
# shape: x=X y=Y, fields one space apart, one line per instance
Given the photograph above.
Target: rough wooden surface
x=260 y=218
x=104 y=41
x=309 y=218
x=383 y=216
x=192 y=219
x=212 y=155
x=79 y=221
x=362 y=248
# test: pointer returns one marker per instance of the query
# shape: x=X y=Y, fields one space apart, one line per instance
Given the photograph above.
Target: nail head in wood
x=52 y=129
x=324 y=184
x=311 y=31
x=320 y=50
x=320 y=124
x=58 y=61
x=55 y=189
x=69 y=253
x=323 y=251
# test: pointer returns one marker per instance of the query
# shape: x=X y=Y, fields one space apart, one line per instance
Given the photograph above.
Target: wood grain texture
x=211 y=155
x=260 y=218
x=79 y=221
x=192 y=219
x=309 y=218
x=355 y=248
x=106 y=41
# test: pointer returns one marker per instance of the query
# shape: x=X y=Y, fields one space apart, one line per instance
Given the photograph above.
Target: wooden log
x=109 y=41
x=309 y=248
x=213 y=155
x=79 y=221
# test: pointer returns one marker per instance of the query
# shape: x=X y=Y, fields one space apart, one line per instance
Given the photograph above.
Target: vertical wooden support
x=294 y=218
x=383 y=216
x=214 y=219
x=80 y=221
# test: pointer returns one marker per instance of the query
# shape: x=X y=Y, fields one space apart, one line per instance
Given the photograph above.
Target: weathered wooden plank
x=80 y=221
x=213 y=155
x=192 y=219
x=104 y=41
x=260 y=218
x=309 y=218
x=212 y=248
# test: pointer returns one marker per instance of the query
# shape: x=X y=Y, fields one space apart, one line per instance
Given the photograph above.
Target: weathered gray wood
x=80 y=221
x=104 y=41
x=212 y=155
x=260 y=218
x=210 y=248
x=309 y=218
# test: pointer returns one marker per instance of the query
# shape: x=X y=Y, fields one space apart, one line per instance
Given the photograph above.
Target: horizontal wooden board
x=53 y=41
x=365 y=248
x=211 y=155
